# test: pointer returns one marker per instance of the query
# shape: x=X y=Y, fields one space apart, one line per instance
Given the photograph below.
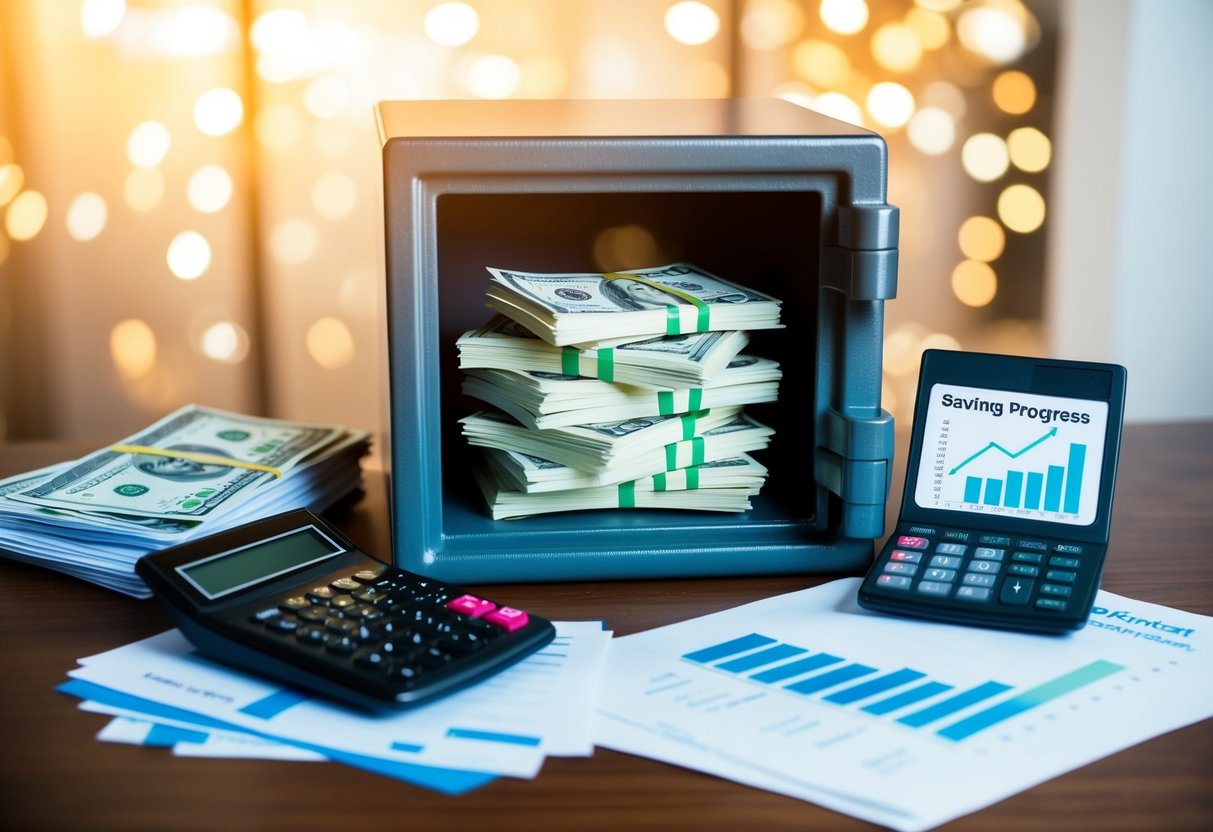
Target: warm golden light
x=707 y=79
x=143 y=189
x=836 y=105
x=451 y=24
x=932 y=131
x=281 y=36
x=148 y=144
x=931 y=27
x=946 y=96
x=334 y=195
x=133 y=348
x=1030 y=149
x=12 y=180
x=984 y=157
x=770 y=24
x=293 y=241
x=330 y=343
x=897 y=48
x=99 y=18
x=846 y=17
x=358 y=294
x=890 y=104
x=822 y=63
x=625 y=247
x=940 y=5
x=224 y=342
x=326 y=97
x=691 y=23
x=4 y=250
x=995 y=30
x=209 y=189
x=543 y=76
x=981 y=238
x=218 y=111
x=493 y=76
x=86 y=216
x=1014 y=92
x=26 y=215
x=277 y=126
x=189 y=255
x=974 y=283
x=1021 y=208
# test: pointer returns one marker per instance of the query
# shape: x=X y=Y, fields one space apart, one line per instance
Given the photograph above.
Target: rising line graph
x=1010 y=454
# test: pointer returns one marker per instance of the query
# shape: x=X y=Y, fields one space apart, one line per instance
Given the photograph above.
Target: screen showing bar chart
x=1012 y=454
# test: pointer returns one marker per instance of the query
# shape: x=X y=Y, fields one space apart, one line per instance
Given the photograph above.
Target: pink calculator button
x=471 y=605
x=912 y=542
x=508 y=618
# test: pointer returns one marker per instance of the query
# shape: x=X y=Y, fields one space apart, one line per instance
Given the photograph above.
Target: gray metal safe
x=761 y=192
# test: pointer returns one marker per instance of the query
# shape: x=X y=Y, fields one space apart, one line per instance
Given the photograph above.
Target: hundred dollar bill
x=193 y=464
x=551 y=400
x=739 y=479
x=668 y=300
x=534 y=475
x=591 y=447
x=667 y=362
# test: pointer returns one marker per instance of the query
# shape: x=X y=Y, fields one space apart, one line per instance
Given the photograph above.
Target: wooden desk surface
x=54 y=775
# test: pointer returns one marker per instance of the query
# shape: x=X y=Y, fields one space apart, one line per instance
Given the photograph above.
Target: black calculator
x=291 y=598
x=1008 y=496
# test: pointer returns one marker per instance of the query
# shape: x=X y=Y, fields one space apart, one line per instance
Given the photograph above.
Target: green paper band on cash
x=688 y=423
x=627 y=495
x=195 y=456
x=673 y=317
x=667 y=406
x=570 y=362
x=697 y=453
x=660 y=483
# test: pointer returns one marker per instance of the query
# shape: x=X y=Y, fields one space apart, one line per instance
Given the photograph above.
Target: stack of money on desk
x=618 y=391
x=192 y=473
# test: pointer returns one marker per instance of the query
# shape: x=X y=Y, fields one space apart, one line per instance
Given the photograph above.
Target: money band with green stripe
x=673 y=320
x=570 y=362
x=665 y=401
x=627 y=495
x=697 y=452
x=688 y=423
x=660 y=484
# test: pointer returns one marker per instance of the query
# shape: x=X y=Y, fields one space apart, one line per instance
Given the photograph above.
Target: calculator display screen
x=217 y=575
x=1009 y=454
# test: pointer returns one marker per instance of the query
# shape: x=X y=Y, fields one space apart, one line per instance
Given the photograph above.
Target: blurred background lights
x=277 y=127
x=330 y=343
x=143 y=189
x=846 y=17
x=26 y=215
x=839 y=106
x=770 y=24
x=224 y=342
x=932 y=131
x=281 y=38
x=493 y=76
x=897 y=48
x=946 y=96
x=133 y=348
x=99 y=18
x=822 y=63
x=940 y=5
x=334 y=195
x=984 y=157
x=974 y=283
x=293 y=241
x=930 y=27
x=86 y=216
x=981 y=238
x=148 y=144
x=1014 y=92
x=1030 y=150
x=997 y=30
x=12 y=180
x=890 y=104
x=625 y=247
x=189 y=255
x=451 y=24
x=209 y=189
x=218 y=111
x=691 y=22
x=1021 y=208
x=326 y=97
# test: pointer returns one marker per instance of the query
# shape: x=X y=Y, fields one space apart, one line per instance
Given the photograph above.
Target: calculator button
x=956 y=534
x=366 y=612
x=461 y=643
x=1034 y=545
x=893 y=581
x=283 y=625
x=262 y=616
x=905 y=557
x=1068 y=548
x=314 y=613
x=987 y=553
x=912 y=542
x=371 y=594
x=975 y=579
x=1061 y=576
x=321 y=593
x=994 y=540
x=471 y=605
x=987 y=567
x=345 y=585
x=934 y=588
x=371 y=658
x=404 y=672
x=1023 y=569
x=1050 y=604
x=1016 y=591
x=1065 y=563
x=1056 y=590
x=295 y=602
x=339 y=644
x=343 y=602
x=939 y=575
x=925 y=531
x=344 y=626
x=508 y=618
x=432 y=657
x=951 y=548
x=900 y=568
x=311 y=634
x=1027 y=557
x=973 y=593
x=368 y=576
x=946 y=562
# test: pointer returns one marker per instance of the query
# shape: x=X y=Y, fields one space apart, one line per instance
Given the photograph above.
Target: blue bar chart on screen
x=809 y=695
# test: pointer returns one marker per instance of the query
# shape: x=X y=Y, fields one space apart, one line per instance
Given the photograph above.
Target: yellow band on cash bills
x=195 y=456
x=673 y=323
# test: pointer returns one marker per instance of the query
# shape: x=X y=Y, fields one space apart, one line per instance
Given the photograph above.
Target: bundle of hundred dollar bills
x=194 y=472
x=618 y=390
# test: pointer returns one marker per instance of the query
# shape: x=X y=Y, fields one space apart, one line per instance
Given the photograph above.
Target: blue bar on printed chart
x=1039 y=695
x=1031 y=497
x=830 y=679
x=787 y=671
x=910 y=697
x=1053 y=487
x=729 y=648
x=972 y=489
x=1078 y=456
x=953 y=704
x=1014 y=487
x=753 y=660
x=865 y=689
x=993 y=491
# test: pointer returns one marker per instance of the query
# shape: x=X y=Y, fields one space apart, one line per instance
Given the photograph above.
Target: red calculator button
x=508 y=619
x=913 y=542
x=471 y=605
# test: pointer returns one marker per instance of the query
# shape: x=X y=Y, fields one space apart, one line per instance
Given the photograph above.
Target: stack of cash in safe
x=618 y=390
x=194 y=472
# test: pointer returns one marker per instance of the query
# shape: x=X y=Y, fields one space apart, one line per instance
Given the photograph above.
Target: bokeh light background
x=190 y=205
